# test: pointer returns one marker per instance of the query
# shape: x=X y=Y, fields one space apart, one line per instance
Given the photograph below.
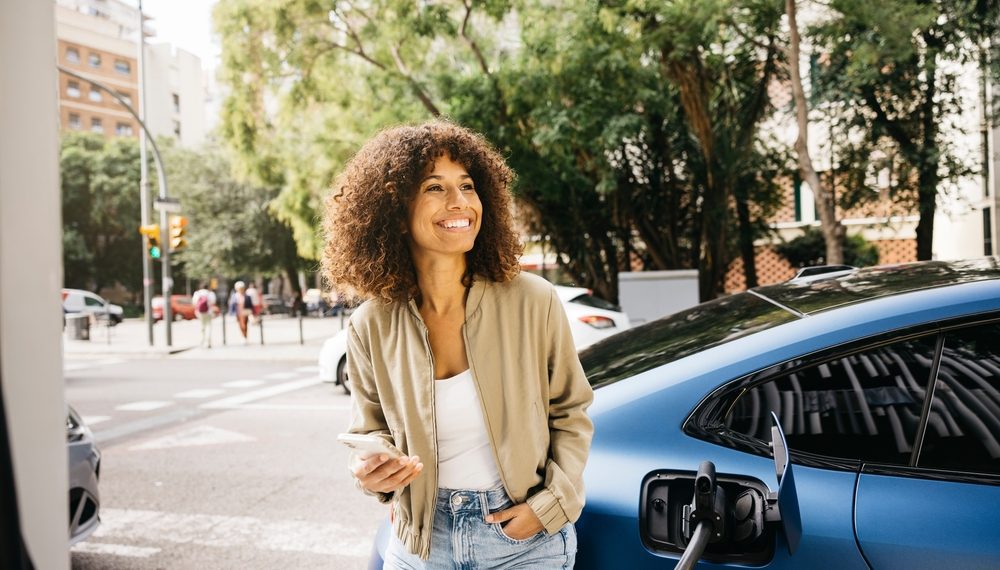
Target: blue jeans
x=463 y=540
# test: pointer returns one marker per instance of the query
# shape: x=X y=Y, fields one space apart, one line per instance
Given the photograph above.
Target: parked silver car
x=84 y=472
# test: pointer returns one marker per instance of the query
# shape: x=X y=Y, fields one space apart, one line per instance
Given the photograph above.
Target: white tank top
x=465 y=458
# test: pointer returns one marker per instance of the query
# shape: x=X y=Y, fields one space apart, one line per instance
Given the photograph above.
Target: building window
x=74 y=121
x=987 y=232
x=73 y=88
x=177 y=103
x=96 y=125
x=95 y=95
x=72 y=55
x=123 y=67
x=95 y=60
x=177 y=129
x=126 y=97
x=123 y=130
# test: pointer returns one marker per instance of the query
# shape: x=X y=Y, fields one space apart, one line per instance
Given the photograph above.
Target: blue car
x=842 y=420
x=872 y=395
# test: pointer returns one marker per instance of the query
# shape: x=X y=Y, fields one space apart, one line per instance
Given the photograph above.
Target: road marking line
x=242 y=383
x=94 y=420
x=220 y=531
x=308 y=369
x=83 y=365
x=284 y=407
x=115 y=549
x=195 y=394
x=227 y=403
x=143 y=406
x=281 y=376
x=196 y=436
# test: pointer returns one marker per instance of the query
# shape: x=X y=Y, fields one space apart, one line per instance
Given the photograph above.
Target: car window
x=595 y=302
x=865 y=406
x=92 y=302
x=684 y=333
x=964 y=424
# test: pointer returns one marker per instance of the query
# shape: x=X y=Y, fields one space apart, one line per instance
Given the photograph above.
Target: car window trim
x=929 y=392
x=695 y=424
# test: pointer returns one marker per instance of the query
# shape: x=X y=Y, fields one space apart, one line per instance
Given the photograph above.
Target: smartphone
x=368 y=445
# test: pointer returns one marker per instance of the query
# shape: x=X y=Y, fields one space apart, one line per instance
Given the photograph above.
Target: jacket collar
x=475 y=298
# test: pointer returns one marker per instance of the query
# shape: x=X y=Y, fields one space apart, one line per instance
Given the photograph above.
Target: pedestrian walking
x=241 y=305
x=457 y=358
x=204 y=306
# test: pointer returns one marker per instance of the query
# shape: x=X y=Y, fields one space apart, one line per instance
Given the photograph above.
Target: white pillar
x=31 y=277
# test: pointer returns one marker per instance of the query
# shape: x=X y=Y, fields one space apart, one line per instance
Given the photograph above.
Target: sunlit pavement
x=283 y=338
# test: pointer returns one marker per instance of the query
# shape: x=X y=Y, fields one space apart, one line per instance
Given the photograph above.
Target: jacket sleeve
x=366 y=408
x=570 y=430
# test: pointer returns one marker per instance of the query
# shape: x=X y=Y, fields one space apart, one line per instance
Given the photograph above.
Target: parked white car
x=80 y=301
x=590 y=319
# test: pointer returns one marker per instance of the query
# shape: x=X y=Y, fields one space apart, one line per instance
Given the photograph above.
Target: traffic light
x=152 y=233
x=178 y=229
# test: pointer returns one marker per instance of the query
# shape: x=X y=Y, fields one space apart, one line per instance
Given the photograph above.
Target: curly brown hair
x=367 y=254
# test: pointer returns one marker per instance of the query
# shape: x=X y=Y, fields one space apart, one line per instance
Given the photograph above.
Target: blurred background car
x=275 y=305
x=85 y=302
x=590 y=319
x=181 y=305
x=84 y=473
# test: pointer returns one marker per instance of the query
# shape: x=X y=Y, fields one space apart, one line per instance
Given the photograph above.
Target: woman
x=464 y=363
x=241 y=305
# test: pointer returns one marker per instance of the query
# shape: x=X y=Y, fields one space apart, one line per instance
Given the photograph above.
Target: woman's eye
x=468 y=188
x=434 y=188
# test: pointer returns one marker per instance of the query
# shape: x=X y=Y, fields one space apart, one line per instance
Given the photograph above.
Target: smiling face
x=445 y=214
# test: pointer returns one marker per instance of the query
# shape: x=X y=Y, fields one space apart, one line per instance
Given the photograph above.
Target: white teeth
x=455 y=223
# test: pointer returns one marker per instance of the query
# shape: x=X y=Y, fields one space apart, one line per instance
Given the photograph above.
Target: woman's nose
x=456 y=199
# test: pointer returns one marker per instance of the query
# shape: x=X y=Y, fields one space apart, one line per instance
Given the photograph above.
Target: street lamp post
x=162 y=179
x=147 y=263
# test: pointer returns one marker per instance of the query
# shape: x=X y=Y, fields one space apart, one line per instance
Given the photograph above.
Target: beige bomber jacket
x=532 y=388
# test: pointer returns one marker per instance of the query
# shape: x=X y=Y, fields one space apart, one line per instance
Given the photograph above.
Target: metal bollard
x=302 y=339
x=260 y=325
x=223 y=329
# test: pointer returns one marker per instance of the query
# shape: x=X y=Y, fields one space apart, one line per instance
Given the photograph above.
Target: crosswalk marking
x=138 y=526
x=196 y=436
x=143 y=406
x=242 y=383
x=196 y=394
x=236 y=401
x=94 y=420
x=115 y=549
x=281 y=375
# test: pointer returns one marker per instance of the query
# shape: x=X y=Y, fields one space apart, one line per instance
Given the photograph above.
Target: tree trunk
x=928 y=178
x=746 y=241
x=826 y=205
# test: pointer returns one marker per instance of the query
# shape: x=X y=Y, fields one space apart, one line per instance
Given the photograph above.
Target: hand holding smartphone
x=365 y=445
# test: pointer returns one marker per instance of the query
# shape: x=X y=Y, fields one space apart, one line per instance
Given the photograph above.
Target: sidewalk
x=281 y=336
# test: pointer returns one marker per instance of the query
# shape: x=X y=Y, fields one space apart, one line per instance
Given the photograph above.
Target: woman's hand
x=383 y=475
x=522 y=522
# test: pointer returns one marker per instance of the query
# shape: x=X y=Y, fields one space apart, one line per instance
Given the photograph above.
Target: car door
x=943 y=509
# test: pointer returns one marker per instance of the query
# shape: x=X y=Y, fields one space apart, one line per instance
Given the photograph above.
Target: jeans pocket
x=498 y=528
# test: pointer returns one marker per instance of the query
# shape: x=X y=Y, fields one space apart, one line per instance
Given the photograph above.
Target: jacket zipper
x=434 y=442
x=482 y=406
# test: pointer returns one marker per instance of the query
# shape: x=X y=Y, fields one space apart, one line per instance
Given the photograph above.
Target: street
x=215 y=463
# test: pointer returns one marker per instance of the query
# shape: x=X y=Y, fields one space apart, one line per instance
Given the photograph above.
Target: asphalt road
x=214 y=464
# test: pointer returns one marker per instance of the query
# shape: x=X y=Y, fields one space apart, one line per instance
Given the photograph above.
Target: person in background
x=257 y=301
x=204 y=305
x=463 y=362
x=241 y=305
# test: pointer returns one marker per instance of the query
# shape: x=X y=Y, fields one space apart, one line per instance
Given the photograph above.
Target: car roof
x=736 y=316
x=818 y=294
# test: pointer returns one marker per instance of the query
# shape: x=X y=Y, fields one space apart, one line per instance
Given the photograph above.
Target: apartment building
x=99 y=39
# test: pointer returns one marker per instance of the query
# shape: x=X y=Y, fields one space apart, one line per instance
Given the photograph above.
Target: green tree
x=809 y=249
x=232 y=227
x=599 y=133
x=100 y=211
x=891 y=67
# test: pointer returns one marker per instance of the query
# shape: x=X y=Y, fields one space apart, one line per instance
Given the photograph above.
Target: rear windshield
x=671 y=338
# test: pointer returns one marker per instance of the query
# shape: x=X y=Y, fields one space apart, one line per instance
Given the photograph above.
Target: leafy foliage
x=810 y=249
x=100 y=212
